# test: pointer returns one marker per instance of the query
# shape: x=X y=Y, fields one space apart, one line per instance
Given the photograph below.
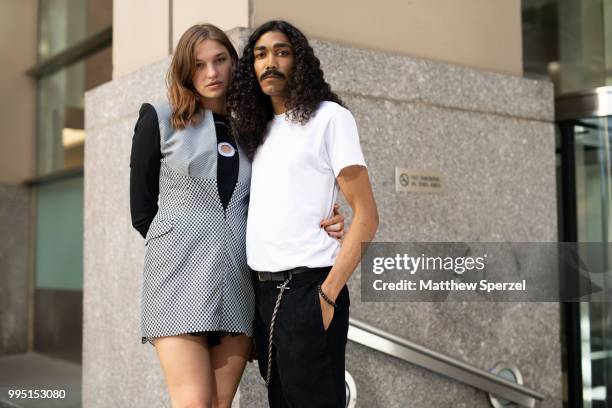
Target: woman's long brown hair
x=182 y=94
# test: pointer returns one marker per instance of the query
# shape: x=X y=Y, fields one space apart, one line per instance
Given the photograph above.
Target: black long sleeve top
x=145 y=163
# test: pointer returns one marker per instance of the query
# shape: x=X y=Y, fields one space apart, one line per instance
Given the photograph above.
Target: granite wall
x=492 y=136
x=15 y=236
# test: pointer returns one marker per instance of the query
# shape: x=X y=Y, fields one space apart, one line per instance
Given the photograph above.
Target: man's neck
x=278 y=104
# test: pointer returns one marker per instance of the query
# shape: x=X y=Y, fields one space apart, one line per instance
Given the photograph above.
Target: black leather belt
x=282 y=276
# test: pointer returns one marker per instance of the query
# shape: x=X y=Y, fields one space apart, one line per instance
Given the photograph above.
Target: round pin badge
x=225 y=149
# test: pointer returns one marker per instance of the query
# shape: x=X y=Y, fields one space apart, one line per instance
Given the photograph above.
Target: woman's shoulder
x=160 y=112
x=160 y=108
x=147 y=113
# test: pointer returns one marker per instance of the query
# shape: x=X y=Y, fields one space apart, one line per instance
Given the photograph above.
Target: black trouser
x=307 y=361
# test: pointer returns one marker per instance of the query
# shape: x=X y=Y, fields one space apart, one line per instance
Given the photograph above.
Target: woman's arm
x=144 y=169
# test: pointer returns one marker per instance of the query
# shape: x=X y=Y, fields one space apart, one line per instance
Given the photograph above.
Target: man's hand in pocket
x=327 y=311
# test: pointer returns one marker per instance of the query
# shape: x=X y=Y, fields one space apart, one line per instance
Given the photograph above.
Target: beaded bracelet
x=325 y=298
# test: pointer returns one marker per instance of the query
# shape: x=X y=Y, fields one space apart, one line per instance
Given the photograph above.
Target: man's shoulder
x=330 y=112
x=329 y=109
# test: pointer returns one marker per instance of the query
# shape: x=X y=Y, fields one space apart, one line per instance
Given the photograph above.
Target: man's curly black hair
x=250 y=109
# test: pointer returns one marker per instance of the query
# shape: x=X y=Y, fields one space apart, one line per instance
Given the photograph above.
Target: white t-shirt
x=293 y=188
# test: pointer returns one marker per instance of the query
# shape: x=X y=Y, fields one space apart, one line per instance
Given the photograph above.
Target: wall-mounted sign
x=418 y=181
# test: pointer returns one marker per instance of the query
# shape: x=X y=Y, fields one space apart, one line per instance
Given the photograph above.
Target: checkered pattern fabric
x=195 y=274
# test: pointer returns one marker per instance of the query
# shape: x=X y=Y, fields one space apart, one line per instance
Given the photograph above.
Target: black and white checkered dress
x=195 y=275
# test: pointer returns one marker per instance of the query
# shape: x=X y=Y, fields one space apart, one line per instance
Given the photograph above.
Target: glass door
x=586 y=194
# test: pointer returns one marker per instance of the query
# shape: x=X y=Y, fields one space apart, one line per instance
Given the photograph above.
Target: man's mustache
x=271 y=73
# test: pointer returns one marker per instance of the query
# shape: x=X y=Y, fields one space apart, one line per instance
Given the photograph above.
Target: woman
x=189 y=193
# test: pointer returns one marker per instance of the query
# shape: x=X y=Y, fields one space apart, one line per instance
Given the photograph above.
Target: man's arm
x=355 y=186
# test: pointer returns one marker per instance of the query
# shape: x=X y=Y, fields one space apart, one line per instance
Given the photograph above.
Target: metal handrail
x=380 y=340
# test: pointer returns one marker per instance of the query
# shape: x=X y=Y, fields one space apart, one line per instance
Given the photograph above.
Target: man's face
x=273 y=64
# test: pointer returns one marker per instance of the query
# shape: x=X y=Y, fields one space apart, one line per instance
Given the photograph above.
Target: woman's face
x=213 y=69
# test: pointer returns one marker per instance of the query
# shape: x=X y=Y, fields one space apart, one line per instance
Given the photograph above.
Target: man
x=305 y=147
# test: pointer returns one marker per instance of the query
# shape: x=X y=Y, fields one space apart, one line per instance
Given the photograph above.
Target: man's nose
x=271 y=62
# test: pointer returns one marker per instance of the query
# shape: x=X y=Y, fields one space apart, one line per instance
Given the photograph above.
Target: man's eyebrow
x=282 y=45
x=276 y=45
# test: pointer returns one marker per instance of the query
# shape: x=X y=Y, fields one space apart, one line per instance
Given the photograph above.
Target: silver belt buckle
x=286 y=287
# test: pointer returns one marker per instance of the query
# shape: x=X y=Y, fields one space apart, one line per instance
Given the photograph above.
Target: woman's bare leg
x=228 y=361
x=186 y=363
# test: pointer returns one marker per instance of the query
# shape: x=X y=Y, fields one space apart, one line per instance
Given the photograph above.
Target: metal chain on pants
x=276 y=306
